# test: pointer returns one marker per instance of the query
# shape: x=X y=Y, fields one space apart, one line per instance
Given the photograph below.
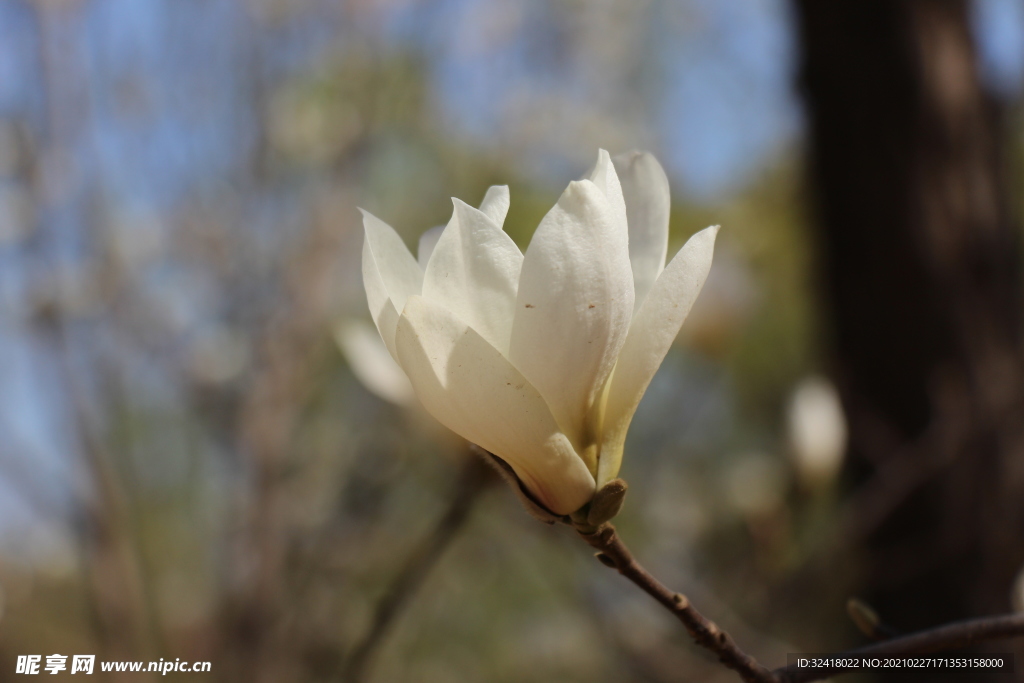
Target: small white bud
x=817 y=431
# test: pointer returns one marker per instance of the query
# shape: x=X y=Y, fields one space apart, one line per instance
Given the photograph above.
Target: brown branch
x=472 y=482
x=948 y=637
x=614 y=553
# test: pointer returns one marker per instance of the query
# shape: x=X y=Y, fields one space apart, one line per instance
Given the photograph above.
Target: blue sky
x=721 y=106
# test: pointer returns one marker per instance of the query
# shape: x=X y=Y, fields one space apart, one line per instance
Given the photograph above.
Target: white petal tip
x=463 y=209
x=702 y=242
x=369 y=218
x=580 y=186
x=579 y=194
x=708 y=233
x=495 y=203
x=459 y=205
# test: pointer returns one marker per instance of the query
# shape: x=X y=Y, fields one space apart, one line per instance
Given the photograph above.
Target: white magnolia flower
x=541 y=358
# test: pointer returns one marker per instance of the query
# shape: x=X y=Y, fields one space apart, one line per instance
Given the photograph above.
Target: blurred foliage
x=191 y=469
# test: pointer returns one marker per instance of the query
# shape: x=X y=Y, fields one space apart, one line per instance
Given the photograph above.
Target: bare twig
x=471 y=483
x=614 y=553
x=948 y=637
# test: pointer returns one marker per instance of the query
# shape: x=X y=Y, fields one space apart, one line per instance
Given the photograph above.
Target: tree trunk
x=921 y=266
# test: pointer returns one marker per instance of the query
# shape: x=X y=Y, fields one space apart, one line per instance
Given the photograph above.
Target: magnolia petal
x=472 y=389
x=428 y=241
x=495 y=204
x=651 y=335
x=607 y=180
x=645 y=189
x=573 y=308
x=387 y=324
x=371 y=363
x=390 y=275
x=474 y=273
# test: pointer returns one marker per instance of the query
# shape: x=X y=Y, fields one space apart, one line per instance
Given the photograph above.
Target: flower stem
x=614 y=553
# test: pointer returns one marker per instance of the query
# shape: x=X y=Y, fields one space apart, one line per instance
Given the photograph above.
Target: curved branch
x=614 y=553
x=948 y=637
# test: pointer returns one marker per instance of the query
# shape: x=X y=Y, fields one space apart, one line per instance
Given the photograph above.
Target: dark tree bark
x=921 y=266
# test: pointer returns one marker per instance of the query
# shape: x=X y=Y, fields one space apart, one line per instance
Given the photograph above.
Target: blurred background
x=202 y=457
